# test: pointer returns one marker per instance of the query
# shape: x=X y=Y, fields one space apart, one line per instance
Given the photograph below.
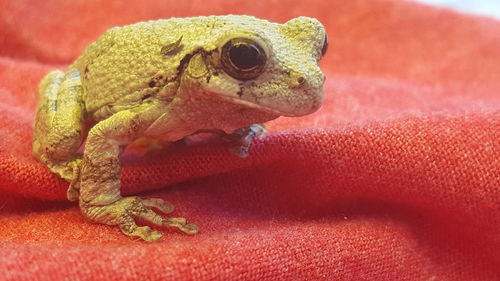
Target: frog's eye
x=325 y=46
x=243 y=59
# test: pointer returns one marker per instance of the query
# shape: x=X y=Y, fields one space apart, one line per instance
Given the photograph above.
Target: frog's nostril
x=298 y=83
x=301 y=80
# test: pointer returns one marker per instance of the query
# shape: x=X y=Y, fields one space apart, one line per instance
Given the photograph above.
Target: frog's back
x=117 y=68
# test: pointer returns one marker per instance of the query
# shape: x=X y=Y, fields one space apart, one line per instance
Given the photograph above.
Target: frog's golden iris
x=243 y=58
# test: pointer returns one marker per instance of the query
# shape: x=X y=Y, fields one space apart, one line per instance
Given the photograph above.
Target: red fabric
x=395 y=178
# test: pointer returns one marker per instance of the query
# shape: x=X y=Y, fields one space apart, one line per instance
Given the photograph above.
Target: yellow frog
x=168 y=79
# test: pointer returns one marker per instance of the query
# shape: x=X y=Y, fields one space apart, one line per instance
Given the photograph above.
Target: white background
x=483 y=7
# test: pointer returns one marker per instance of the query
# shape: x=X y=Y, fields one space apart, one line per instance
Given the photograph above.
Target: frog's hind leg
x=59 y=125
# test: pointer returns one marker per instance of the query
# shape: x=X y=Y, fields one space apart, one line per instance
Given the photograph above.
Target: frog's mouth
x=253 y=105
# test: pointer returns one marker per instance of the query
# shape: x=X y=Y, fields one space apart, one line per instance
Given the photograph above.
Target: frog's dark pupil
x=245 y=56
x=243 y=59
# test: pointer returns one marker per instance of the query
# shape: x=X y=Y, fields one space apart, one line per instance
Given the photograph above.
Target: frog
x=166 y=80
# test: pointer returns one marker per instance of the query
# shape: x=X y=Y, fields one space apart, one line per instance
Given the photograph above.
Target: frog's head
x=265 y=66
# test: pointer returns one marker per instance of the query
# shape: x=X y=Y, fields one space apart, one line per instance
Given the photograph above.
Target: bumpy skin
x=165 y=80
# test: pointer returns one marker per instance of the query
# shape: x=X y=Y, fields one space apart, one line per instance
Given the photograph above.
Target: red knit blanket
x=396 y=177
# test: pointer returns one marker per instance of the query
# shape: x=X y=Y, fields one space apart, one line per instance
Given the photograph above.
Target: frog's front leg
x=242 y=139
x=100 y=198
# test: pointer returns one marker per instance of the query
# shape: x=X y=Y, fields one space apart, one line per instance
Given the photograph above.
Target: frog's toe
x=190 y=228
x=239 y=150
x=160 y=204
x=143 y=232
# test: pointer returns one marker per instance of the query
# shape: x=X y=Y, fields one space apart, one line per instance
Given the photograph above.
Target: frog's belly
x=168 y=128
x=195 y=111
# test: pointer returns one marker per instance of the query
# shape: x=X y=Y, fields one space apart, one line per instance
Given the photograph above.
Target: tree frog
x=168 y=79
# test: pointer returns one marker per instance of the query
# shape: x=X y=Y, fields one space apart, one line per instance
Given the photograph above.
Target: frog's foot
x=68 y=170
x=124 y=211
x=242 y=139
x=73 y=176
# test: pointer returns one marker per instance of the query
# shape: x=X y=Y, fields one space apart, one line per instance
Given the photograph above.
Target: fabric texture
x=396 y=177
